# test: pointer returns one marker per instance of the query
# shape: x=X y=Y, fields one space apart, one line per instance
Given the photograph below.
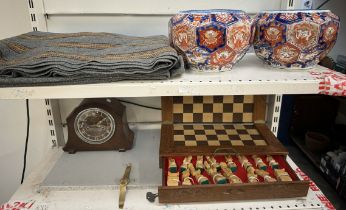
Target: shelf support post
x=39 y=23
x=273 y=112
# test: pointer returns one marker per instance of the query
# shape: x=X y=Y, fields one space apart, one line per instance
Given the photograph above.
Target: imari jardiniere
x=295 y=39
x=211 y=40
x=219 y=148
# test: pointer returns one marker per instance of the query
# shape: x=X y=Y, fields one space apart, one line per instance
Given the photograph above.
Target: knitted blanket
x=40 y=58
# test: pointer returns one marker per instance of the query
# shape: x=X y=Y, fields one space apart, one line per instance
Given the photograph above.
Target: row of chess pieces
x=223 y=172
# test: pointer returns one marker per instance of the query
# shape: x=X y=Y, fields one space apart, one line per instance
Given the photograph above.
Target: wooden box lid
x=210 y=125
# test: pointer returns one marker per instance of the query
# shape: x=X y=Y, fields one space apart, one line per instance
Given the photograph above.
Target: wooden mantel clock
x=98 y=124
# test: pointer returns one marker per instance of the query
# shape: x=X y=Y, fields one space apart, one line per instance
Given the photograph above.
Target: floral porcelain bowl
x=211 y=40
x=295 y=38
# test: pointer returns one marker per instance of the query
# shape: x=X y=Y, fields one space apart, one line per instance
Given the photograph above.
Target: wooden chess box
x=217 y=126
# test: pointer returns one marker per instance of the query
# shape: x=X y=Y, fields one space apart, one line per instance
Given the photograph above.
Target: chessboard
x=217 y=135
x=212 y=109
x=205 y=124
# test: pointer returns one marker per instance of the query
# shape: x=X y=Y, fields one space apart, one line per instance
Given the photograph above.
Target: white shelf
x=104 y=169
x=249 y=76
x=55 y=184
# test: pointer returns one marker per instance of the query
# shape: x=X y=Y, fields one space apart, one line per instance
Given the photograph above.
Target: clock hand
x=99 y=122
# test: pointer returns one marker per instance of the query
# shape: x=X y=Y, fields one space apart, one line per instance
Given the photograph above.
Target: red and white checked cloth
x=331 y=82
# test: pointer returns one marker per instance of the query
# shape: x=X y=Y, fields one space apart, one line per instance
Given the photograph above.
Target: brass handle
x=123 y=183
x=127 y=171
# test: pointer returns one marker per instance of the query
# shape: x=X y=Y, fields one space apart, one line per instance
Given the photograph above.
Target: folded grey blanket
x=40 y=58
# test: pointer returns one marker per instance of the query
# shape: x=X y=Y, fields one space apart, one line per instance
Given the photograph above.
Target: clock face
x=94 y=125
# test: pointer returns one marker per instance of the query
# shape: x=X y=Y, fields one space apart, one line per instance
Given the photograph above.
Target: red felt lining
x=241 y=173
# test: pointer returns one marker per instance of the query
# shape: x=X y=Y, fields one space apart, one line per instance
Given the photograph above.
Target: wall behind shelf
x=14 y=20
x=12 y=141
x=132 y=17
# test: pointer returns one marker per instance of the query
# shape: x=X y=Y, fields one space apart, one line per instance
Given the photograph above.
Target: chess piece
x=272 y=162
x=251 y=176
x=186 y=162
x=185 y=176
x=230 y=163
x=197 y=174
x=212 y=171
x=259 y=162
x=173 y=179
x=246 y=164
x=265 y=175
x=199 y=163
x=227 y=172
x=172 y=166
x=282 y=175
x=211 y=160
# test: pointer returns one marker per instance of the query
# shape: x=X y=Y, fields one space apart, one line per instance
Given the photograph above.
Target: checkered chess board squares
x=213 y=109
x=217 y=135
